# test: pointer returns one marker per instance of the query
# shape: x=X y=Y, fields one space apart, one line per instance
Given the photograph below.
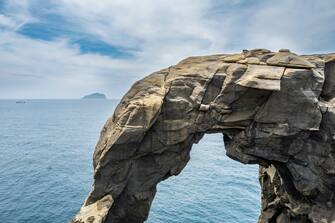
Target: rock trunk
x=273 y=109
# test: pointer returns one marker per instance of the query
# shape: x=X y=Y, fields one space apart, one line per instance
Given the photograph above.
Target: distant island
x=94 y=96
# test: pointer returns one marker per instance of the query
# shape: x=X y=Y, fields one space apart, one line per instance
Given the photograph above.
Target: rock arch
x=274 y=109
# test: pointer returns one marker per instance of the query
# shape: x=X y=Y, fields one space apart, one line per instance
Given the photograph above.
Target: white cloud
x=128 y=23
x=41 y=69
x=301 y=25
x=7 y=22
x=159 y=33
x=162 y=35
x=17 y=14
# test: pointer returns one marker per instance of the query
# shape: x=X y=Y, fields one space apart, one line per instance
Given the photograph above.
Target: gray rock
x=262 y=77
x=284 y=58
x=276 y=110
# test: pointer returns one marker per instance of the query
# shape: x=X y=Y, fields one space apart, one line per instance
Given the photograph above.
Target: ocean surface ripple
x=46 y=149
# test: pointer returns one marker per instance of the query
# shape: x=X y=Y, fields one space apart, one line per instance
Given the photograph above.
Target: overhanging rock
x=274 y=109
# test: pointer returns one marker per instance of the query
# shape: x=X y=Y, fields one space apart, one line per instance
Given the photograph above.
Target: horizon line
x=59 y=99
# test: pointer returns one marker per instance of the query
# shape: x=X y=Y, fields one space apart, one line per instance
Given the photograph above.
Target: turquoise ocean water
x=46 y=149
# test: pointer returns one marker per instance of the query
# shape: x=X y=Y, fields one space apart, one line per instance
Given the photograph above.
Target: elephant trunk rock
x=273 y=109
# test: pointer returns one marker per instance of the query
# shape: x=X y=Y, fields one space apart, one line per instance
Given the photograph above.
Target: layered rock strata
x=273 y=109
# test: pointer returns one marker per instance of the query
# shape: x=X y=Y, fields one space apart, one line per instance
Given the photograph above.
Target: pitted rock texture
x=273 y=109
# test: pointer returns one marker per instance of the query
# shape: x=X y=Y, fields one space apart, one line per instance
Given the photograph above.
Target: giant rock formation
x=273 y=109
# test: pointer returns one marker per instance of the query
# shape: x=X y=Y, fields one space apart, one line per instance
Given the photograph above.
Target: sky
x=70 y=48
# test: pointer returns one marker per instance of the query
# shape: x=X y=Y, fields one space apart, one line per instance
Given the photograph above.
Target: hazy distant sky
x=69 y=48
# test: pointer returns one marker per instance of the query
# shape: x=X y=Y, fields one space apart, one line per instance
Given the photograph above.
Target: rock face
x=273 y=109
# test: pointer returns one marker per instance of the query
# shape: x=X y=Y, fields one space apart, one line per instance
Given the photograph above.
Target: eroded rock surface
x=273 y=109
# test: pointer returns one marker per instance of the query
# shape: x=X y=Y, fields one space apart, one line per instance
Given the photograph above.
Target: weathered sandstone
x=273 y=109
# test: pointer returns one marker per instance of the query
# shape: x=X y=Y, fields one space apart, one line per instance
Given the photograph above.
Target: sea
x=46 y=149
